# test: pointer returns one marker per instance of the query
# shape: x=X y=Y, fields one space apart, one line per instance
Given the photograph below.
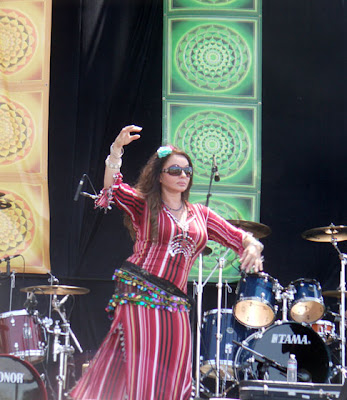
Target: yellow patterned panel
x=22 y=44
x=23 y=225
x=23 y=146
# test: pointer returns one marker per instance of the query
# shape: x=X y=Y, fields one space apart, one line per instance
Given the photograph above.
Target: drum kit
x=267 y=323
x=28 y=339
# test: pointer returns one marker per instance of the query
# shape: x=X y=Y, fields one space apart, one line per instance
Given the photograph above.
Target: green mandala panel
x=226 y=132
x=213 y=59
x=218 y=5
x=230 y=207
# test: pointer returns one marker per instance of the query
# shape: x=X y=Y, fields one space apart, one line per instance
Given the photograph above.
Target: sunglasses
x=175 y=170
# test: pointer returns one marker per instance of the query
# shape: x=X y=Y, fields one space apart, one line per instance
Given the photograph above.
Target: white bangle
x=114 y=153
x=111 y=165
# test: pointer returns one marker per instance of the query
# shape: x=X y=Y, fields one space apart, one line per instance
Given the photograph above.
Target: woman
x=147 y=352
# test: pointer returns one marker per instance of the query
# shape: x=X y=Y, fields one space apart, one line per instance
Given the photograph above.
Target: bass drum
x=19 y=380
x=277 y=343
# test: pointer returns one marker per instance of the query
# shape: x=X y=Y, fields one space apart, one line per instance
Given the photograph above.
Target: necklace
x=173 y=209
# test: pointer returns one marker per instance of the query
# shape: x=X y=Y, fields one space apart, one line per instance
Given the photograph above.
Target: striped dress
x=147 y=353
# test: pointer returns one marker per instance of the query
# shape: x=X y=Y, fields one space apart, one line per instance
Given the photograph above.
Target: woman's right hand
x=124 y=137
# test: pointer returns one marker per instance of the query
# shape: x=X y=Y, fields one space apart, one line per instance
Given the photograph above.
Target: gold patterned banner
x=25 y=31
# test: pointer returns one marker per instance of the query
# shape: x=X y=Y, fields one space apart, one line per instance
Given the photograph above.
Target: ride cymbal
x=256 y=228
x=326 y=234
x=56 y=289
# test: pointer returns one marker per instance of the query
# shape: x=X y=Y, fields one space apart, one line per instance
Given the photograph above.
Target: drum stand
x=343 y=259
x=66 y=349
x=200 y=286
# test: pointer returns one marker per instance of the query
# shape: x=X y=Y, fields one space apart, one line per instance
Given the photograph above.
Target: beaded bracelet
x=111 y=165
x=114 y=153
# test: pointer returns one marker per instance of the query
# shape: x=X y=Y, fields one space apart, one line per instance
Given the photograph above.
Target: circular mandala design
x=205 y=134
x=231 y=267
x=17 y=226
x=18 y=41
x=213 y=57
x=16 y=131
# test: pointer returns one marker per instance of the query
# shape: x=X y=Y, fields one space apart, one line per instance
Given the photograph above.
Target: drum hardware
x=334 y=234
x=63 y=350
x=256 y=228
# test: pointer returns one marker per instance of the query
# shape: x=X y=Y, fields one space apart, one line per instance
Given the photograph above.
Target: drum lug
x=13 y=321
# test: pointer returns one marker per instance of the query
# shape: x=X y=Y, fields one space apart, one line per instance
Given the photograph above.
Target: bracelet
x=111 y=165
x=114 y=153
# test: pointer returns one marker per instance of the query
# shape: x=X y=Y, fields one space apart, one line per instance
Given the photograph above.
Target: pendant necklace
x=173 y=209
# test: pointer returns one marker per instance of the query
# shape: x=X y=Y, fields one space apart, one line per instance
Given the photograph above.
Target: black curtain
x=106 y=72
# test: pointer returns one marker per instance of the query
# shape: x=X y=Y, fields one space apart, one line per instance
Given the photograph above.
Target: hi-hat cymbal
x=326 y=234
x=56 y=289
x=256 y=228
x=333 y=293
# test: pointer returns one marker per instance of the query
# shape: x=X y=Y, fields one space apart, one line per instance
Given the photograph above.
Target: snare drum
x=307 y=304
x=230 y=330
x=19 y=380
x=325 y=329
x=22 y=336
x=256 y=297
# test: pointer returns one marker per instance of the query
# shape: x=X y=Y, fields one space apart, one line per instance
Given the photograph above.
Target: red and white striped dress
x=147 y=353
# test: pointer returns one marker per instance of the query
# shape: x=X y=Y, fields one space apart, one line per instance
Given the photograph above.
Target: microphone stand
x=343 y=259
x=199 y=292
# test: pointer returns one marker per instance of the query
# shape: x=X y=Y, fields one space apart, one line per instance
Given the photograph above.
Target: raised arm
x=113 y=161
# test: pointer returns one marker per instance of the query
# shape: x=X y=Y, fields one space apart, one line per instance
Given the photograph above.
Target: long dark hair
x=148 y=186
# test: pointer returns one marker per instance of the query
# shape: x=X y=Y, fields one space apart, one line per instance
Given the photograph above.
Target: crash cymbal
x=326 y=233
x=256 y=228
x=56 y=289
x=207 y=251
x=333 y=293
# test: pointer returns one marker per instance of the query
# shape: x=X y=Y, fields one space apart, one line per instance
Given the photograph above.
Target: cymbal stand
x=219 y=336
x=52 y=280
x=63 y=350
x=13 y=285
x=343 y=259
x=285 y=295
x=199 y=290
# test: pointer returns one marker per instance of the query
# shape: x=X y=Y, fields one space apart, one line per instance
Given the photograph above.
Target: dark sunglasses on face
x=175 y=170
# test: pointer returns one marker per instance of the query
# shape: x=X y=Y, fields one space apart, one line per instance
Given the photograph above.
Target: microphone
x=215 y=170
x=8 y=258
x=79 y=187
x=92 y=196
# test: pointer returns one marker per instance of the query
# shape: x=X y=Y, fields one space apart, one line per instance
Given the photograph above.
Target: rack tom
x=256 y=297
x=21 y=335
x=306 y=302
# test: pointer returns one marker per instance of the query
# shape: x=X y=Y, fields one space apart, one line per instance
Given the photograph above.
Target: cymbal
x=326 y=233
x=55 y=289
x=207 y=251
x=256 y=228
x=333 y=293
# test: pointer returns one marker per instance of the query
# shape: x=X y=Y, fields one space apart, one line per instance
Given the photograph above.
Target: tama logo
x=289 y=339
x=11 y=377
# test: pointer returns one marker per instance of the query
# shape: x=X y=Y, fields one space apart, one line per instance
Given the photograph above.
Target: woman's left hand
x=251 y=259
